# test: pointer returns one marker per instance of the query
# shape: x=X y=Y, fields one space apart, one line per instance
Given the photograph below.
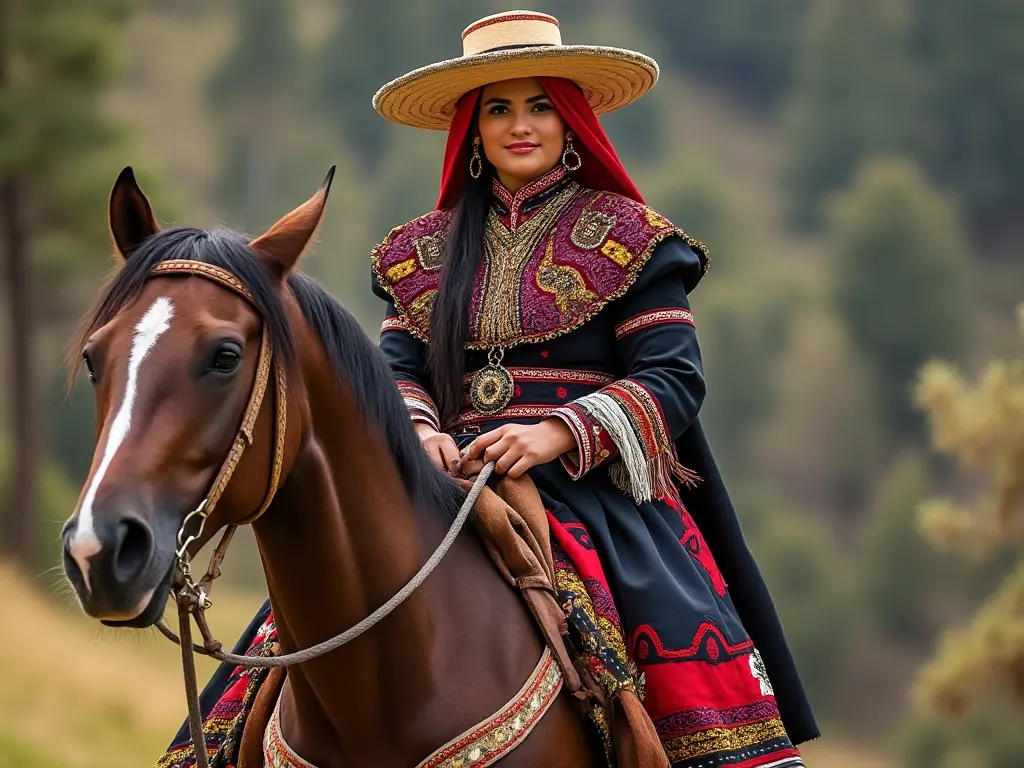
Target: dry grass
x=75 y=695
x=84 y=696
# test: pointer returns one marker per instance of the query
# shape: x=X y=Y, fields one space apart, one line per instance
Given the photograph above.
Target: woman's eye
x=226 y=360
x=542 y=107
x=498 y=109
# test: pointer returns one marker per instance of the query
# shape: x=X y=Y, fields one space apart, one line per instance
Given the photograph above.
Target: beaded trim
x=515 y=202
x=652 y=318
x=474 y=416
x=393 y=324
x=560 y=375
x=494 y=738
x=211 y=271
x=482 y=745
x=419 y=403
x=276 y=752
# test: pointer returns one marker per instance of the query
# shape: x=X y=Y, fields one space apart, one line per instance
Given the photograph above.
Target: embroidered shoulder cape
x=547 y=270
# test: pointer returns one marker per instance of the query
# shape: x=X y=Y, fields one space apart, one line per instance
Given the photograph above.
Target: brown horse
x=359 y=507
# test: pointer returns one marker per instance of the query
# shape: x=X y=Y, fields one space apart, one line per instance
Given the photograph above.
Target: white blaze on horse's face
x=84 y=544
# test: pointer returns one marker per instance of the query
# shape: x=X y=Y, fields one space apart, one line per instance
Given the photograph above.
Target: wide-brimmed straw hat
x=511 y=45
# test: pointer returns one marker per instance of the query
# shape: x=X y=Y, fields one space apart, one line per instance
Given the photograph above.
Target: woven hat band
x=506 y=30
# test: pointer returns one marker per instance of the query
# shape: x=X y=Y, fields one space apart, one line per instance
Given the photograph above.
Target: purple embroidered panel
x=587 y=256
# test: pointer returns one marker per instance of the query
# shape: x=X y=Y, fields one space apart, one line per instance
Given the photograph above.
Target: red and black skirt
x=649 y=610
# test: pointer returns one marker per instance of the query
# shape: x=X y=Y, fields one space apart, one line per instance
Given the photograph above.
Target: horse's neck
x=340 y=540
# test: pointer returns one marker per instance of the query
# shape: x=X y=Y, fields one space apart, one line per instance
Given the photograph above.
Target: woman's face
x=521 y=133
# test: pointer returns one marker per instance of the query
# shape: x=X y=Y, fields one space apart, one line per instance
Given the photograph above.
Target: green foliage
x=745 y=47
x=697 y=201
x=984 y=428
x=810 y=585
x=54 y=133
x=974 y=57
x=900 y=268
x=898 y=571
x=252 y=93
x=857 y=93
x=57 y=497
x=822 y=442
x=265 y=55
x=14 y=751
x=386 y=38
x=742 y=332
x=990 y=738
x=936 y=80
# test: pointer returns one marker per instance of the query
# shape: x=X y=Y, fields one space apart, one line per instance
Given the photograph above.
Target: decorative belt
x=480 y=746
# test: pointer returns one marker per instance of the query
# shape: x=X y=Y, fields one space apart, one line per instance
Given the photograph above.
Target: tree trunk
x=18 y=530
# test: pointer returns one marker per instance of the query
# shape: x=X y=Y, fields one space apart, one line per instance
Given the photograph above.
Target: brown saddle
x=511 y=520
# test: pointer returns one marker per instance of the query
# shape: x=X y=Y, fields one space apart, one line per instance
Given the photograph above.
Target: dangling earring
x=476 y=163
x=576 y=162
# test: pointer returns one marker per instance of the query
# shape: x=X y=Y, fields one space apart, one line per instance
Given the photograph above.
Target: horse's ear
x=280 y=247
x=130 y=214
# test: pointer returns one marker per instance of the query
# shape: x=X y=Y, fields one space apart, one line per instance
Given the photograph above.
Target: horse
x=344 y=503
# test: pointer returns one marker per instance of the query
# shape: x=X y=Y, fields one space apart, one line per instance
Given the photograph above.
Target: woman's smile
x=522 y=147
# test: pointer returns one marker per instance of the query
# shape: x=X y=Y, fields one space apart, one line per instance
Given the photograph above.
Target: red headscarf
x=601 y=167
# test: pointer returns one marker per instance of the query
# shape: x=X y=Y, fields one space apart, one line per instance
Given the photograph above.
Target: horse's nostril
x=134 y=546
x=72 y=570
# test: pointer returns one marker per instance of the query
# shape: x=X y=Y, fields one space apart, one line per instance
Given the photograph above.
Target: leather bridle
x=193 y=599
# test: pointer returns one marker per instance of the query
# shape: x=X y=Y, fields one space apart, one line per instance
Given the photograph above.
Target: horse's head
x=175 y=356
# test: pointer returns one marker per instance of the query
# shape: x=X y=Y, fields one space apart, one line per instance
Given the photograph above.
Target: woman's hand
x=517 y=447
x=440 y=446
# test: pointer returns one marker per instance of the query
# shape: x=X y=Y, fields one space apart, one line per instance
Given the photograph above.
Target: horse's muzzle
x=113 y=564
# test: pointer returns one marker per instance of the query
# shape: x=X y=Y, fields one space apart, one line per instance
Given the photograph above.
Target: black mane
x=353 y=356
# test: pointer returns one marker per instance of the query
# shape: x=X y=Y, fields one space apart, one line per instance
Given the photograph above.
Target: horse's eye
x=88 y=366
x=226 y=360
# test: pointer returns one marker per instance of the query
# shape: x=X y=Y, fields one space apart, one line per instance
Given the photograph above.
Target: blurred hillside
x=853 y=165
x=87 y=697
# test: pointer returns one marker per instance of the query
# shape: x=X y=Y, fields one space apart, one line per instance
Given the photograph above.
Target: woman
x=539 y=318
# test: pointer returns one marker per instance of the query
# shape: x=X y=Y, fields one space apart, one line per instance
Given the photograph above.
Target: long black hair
x=449 y=319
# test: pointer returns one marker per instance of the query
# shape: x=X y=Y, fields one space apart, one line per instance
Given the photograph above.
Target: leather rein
x=193 y=599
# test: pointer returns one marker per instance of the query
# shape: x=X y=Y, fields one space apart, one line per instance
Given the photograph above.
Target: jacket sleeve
x=632 y=423
x=407 y=357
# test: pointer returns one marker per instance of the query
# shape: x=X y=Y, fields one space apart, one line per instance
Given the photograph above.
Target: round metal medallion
x=491 y=389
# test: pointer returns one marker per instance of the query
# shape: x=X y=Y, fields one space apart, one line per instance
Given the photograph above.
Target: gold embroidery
x=617 y=252
x=418 y=322
x=707 y=742
x=592 y=228
x=429 y=249
x=655 y=219
x=501 y=733
x=400 y=270
x=565 y=283
x=507 y=253
x=421 y=307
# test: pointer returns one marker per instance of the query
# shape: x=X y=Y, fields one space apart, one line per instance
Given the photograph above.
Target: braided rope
x=374 y=618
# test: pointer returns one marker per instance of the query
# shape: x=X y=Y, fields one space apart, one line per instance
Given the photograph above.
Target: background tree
x=56 y=167
x=972 y=53
x=744 y=47
x=983 y=427
x=857 y=92
x=899 y=275
x=253 y=92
